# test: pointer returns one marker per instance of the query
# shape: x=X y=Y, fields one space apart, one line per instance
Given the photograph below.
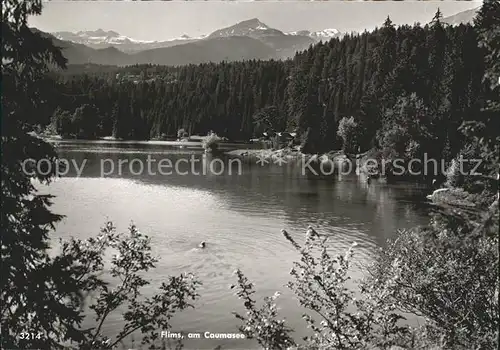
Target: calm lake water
x=239 y=215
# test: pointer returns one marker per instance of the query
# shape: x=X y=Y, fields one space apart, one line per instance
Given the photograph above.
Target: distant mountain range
x=100 y=39
x=250 y=39
x=254 y=28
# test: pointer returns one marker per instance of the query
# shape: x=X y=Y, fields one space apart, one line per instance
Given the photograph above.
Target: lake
x=238 y=212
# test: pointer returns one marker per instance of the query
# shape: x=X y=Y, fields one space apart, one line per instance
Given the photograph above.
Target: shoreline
x=343 y=164
x=111 y=141
x=333 y=161
x=327 y=163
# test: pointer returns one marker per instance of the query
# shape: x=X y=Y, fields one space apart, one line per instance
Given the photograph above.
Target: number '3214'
x=30 y=335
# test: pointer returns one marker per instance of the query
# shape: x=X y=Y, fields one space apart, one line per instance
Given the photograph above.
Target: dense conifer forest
x=405 y=87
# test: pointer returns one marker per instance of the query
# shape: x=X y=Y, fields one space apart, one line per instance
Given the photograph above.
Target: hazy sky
x=166 y=20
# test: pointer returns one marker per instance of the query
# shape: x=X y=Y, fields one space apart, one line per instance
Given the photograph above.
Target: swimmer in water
x=202 y=245
x=311 y=233
x=434 y=183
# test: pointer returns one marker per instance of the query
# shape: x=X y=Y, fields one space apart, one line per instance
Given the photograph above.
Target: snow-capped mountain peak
x=98 y=37
x=251 y=27
x=300 y=32
x=330 y=32
x=253 y=23
x=319 y=35
x=100 y=33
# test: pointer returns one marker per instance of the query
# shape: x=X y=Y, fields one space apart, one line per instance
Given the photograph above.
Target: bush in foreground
x=446 y=273
x=338 y=319
x=74 y=280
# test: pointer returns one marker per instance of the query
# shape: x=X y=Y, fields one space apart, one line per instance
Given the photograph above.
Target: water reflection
x=239 y=215
x=376 y=209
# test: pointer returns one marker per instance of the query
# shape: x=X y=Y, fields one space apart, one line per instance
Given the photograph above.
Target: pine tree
x=485 y=129
x=437 y=47
x=28 y=277
x=487 y=22
x=384 y=56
